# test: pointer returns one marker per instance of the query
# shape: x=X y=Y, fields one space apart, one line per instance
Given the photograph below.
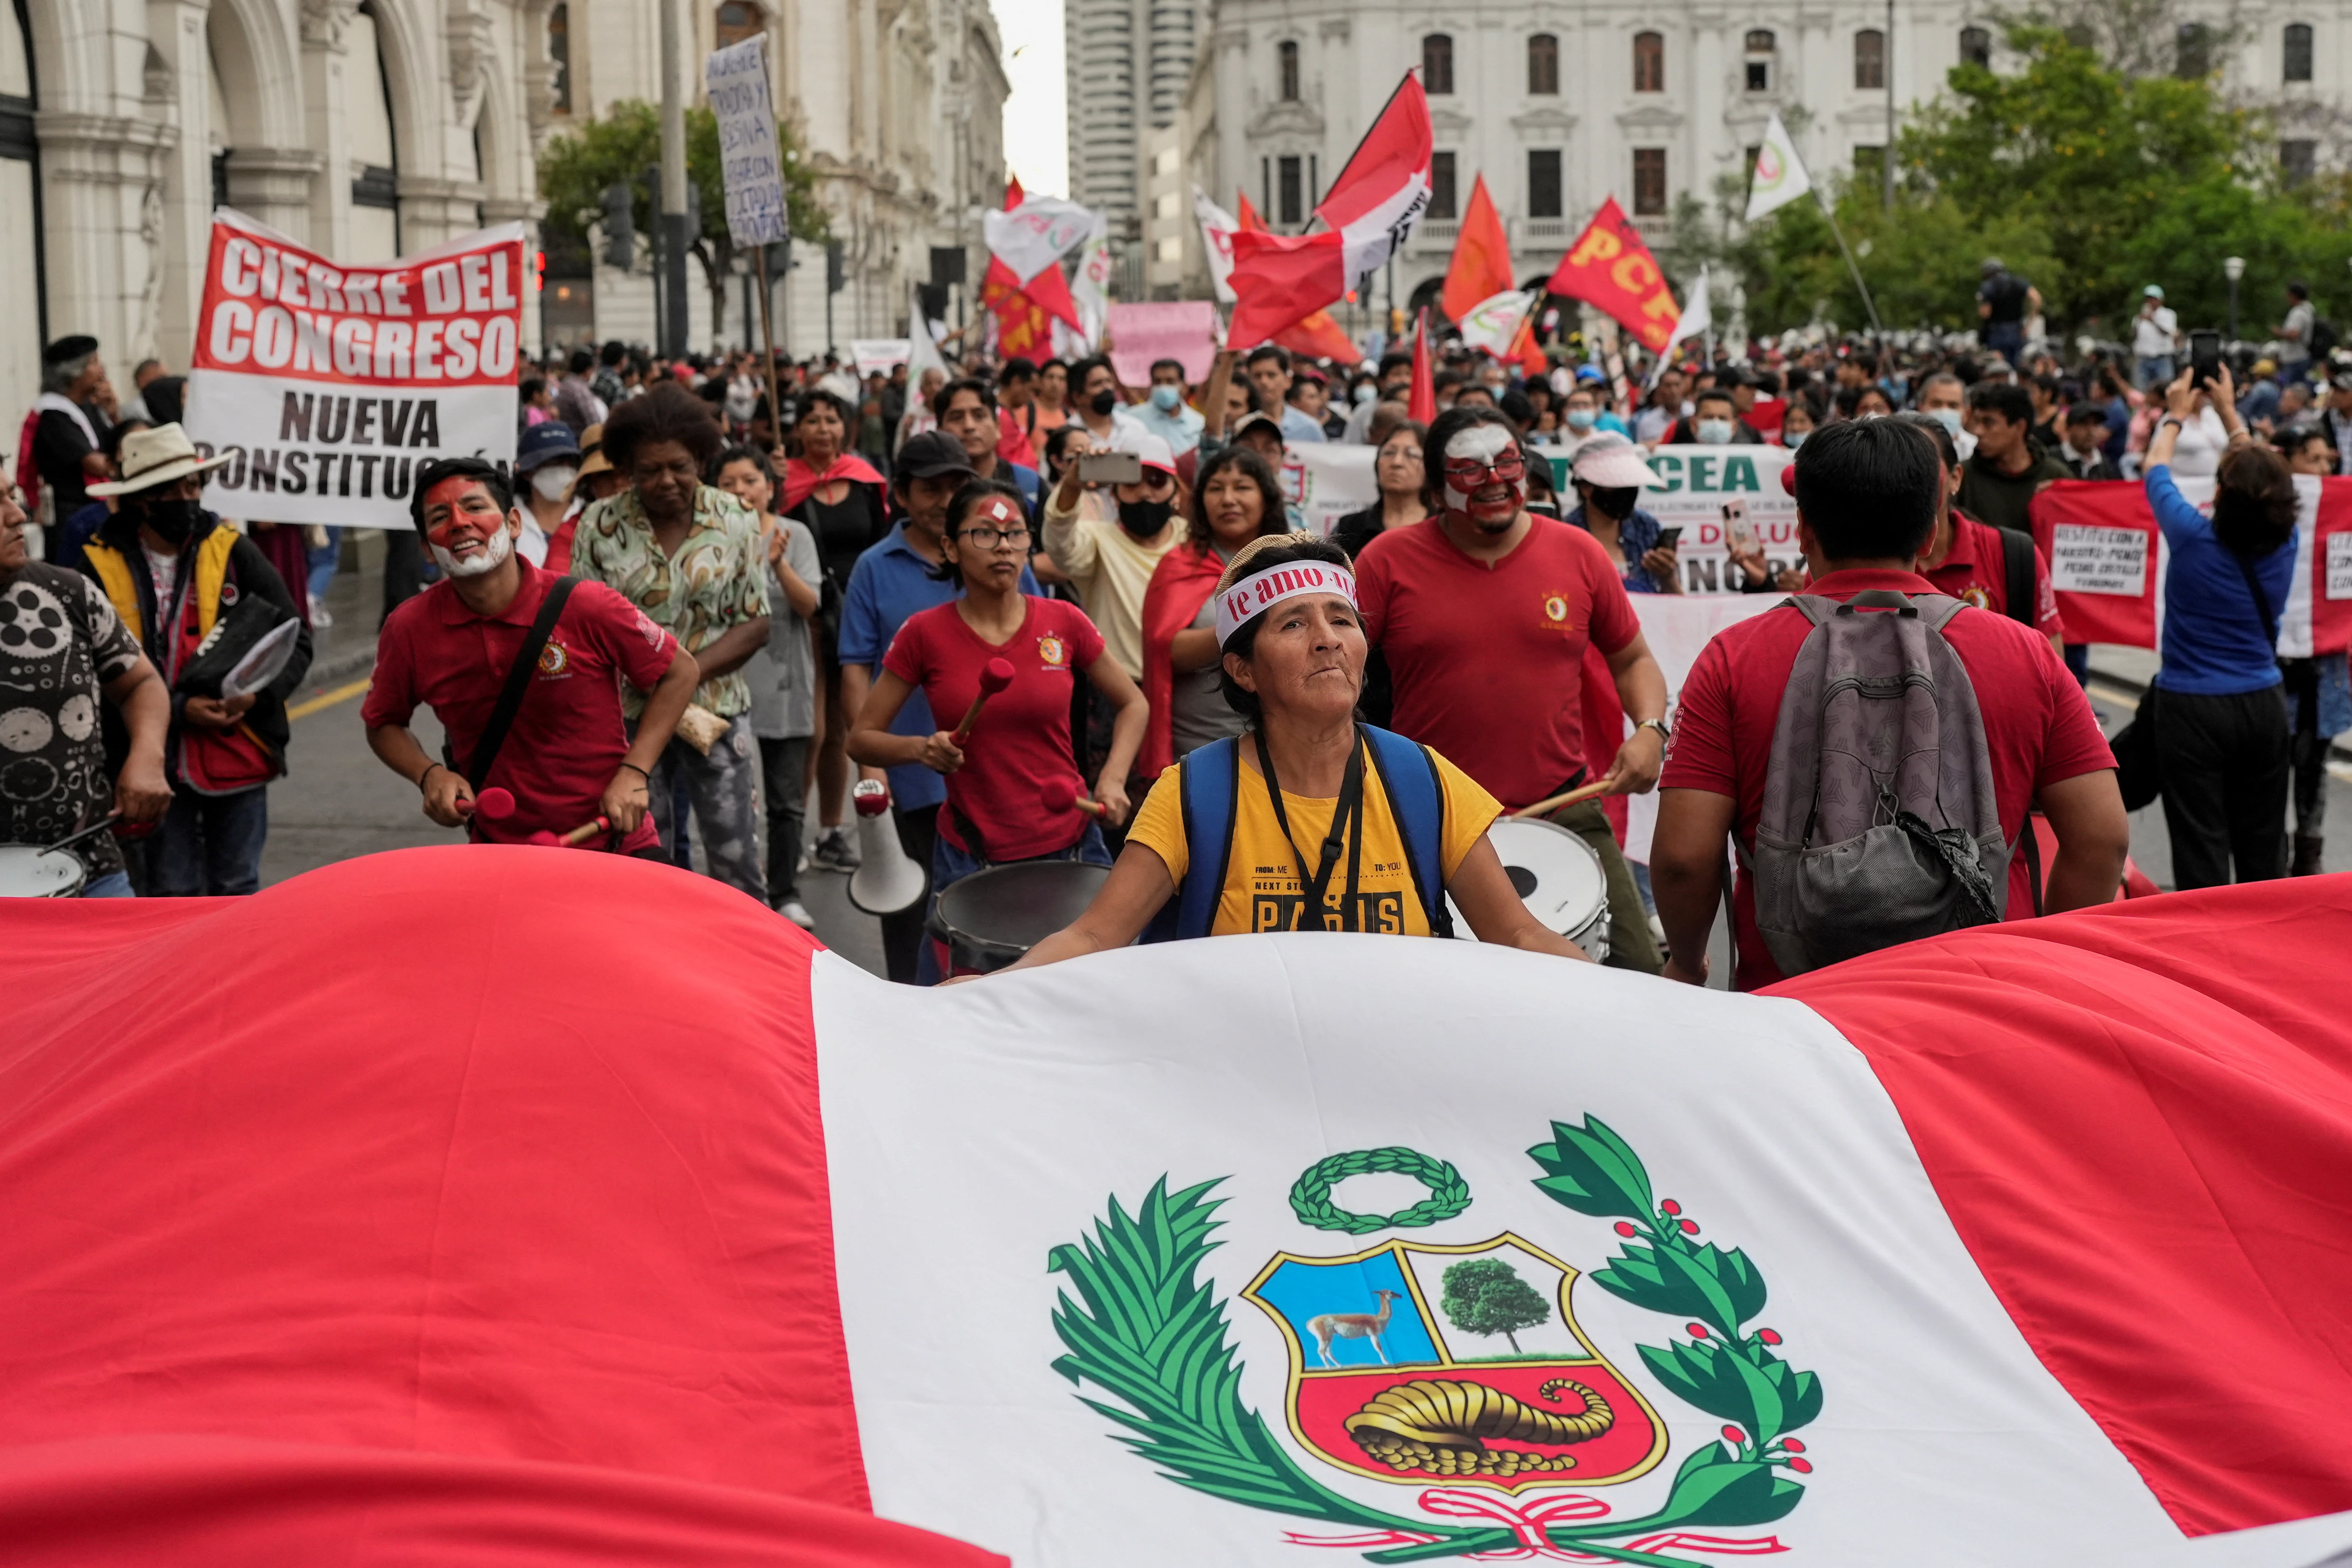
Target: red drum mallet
x=995 y=677
x=495 y=804
x=1061 y=794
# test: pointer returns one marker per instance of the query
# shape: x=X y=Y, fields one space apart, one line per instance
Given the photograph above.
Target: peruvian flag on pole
x=1370 y=210
x=2024 y=1247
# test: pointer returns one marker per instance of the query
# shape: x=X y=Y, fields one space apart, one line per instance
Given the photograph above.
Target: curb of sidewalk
x=339 y=667
x=2135 y=690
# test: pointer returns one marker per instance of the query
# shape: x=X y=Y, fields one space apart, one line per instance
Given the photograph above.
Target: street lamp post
x=2233 y=268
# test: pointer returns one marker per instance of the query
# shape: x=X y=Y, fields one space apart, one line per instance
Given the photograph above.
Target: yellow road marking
x=326 y=699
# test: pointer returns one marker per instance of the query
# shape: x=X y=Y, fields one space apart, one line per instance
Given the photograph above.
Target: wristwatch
x=1665 y=734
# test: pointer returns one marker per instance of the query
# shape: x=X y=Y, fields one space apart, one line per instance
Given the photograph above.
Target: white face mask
x=552 y=481
x=1714 y=432
x=1949 y=418
x=495 y=550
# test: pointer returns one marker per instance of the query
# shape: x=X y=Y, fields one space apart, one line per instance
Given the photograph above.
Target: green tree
x=1486 y=1296
x=576 y=168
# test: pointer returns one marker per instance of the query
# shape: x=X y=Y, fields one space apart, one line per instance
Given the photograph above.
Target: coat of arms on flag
x=1407 y=1366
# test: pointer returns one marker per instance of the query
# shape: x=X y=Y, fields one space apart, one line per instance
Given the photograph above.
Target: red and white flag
x=1034 y=235
x=1370 y=210
x=2025 y=1246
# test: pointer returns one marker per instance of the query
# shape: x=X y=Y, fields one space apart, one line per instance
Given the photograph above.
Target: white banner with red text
x=329 y=385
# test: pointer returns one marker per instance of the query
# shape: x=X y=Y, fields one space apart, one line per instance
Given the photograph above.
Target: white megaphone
x=887 y=881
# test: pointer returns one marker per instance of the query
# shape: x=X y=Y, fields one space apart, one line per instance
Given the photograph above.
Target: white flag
x=1697 y=317
x=1034 y=235
x=922 y=349
x=1091 y=285
x=1217 y=226
x=1779 y=177
x=1492 y=324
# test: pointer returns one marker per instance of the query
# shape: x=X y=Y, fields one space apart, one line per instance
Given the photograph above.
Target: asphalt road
x=337 y=801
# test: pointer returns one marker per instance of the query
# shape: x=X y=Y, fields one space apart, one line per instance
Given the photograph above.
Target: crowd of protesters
x=835 y=558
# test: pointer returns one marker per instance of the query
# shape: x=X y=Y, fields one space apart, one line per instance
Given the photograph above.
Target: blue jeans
x=210 y=844
x=2006 y=339
x=324 y=561
x=2156 y=370
x=113 y=885
x=950 y=865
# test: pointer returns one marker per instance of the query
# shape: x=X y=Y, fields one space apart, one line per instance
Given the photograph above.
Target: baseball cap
x=2154 y=291
x=1590 y=374
x=1152 y=451
x=930 y=455
x=1250 y=421
x=542 y=444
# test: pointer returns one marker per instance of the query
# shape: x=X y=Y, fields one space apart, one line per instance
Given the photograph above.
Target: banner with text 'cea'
x=329 y=385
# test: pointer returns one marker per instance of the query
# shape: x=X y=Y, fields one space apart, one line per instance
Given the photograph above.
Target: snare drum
x=1557 y=875
x=27 y=872
x=990 y=918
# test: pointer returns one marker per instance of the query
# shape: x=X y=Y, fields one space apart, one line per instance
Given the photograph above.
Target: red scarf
x=800 y=479
x=1180 y=584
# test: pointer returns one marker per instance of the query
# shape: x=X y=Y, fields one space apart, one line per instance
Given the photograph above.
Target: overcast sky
x=1036 y=139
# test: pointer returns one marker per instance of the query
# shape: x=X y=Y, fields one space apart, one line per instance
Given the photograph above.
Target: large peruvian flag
x=336 y=1233
x=1371 y=209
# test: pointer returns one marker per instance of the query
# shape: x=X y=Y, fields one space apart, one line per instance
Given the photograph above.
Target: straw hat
x=593 y=461
x=156 y=457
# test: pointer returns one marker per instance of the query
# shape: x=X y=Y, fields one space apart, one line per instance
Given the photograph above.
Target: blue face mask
x=1165 y=397
x=1949 y=418
x=1793 y=439
x=1582 y=419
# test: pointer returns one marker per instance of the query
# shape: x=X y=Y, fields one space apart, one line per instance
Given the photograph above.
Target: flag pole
x=1847 y=251
x=768 y=333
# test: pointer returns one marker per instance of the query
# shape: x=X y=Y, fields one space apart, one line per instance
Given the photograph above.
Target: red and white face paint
x=464 y=527
x=1486 y=478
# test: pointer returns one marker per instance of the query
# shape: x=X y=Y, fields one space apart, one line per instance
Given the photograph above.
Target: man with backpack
x=1872 y=748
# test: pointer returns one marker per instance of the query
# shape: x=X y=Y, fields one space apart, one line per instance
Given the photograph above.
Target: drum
x=27 y=872
x=993 y=917
x=1557 y=875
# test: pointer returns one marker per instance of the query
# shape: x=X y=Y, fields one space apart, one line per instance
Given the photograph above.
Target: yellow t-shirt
x=1264 y=883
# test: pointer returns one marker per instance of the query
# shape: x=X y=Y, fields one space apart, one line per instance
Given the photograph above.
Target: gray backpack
x=1879 y=823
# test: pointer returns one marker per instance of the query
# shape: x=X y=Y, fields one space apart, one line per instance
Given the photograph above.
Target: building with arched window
x=1561 y=104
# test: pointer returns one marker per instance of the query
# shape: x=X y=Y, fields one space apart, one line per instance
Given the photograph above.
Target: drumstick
x=995 y=677
x=585 y=831
x=496 y=802
x=109 y=820
x=1545 y=807
x=1061 y=794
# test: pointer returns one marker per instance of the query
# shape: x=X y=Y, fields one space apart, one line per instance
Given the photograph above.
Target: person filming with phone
x=1610 y=476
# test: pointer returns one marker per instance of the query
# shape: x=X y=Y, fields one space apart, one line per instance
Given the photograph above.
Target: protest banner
x=329 y=385
x=872 y=354
x=737 y=78
x=2101 y=542
x=1323 y=482
x=1185 y=331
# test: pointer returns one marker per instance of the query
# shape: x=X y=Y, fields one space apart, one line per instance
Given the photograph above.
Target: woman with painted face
x=1237 y=502
x=1610 y=476
x=1020 y=745
x=1307 y=820
x=173 y=571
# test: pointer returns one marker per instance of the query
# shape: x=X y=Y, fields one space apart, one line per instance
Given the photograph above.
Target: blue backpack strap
x=1417 y=800
x=1210 y=779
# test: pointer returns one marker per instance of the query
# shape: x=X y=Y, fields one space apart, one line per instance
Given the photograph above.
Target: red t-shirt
x=1978 y=573
x=1022 y=739
x=2038 y=725
x=1488 y=662
x=567 y=739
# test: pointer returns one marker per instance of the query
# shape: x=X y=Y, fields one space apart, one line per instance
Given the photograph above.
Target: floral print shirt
x=716 y=582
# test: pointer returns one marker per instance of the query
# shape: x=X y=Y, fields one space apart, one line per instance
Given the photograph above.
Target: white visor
x=1255 y=594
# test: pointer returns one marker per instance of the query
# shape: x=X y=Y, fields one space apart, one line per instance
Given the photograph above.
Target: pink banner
x=1185 y=331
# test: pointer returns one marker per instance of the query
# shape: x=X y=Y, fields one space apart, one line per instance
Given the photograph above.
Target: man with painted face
x=1485 y=612
x=172 y=569
x=566 y=756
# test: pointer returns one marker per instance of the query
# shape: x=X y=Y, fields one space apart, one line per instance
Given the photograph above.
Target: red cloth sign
x=2331 y=567
x=2102 y=541
x=1611 y=268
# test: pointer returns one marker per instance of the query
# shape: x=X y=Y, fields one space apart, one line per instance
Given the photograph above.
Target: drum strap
x=1347 y=826
x=511 y=695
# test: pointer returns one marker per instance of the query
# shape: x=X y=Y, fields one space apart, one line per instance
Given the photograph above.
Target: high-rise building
x=1129 y=64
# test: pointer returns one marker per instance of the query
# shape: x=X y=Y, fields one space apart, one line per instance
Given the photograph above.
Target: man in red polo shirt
x=567 y=758
x=1484 y=611
x=1969 y=560
x=1865 y=506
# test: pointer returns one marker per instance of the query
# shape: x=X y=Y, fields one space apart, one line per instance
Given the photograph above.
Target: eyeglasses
x=1510 y=466
x=990 y=538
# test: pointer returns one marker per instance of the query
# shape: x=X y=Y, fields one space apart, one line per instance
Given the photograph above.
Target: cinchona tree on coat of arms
x=1394 y=1375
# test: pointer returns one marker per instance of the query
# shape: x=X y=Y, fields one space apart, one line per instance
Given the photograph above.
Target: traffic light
x=620 y=226
x=837 y=268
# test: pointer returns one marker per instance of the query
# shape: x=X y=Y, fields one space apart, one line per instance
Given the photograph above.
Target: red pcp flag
x=1481 y=267
x=514 y=1256
x=1611 y=268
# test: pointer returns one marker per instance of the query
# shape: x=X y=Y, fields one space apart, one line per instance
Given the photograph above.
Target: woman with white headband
x=1308 y=820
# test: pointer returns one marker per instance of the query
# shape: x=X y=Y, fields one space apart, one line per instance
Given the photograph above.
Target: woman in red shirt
x=1022 y=741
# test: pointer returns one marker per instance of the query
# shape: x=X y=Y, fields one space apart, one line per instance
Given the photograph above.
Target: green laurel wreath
x=1147 y=1332
x=1311 y=1196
